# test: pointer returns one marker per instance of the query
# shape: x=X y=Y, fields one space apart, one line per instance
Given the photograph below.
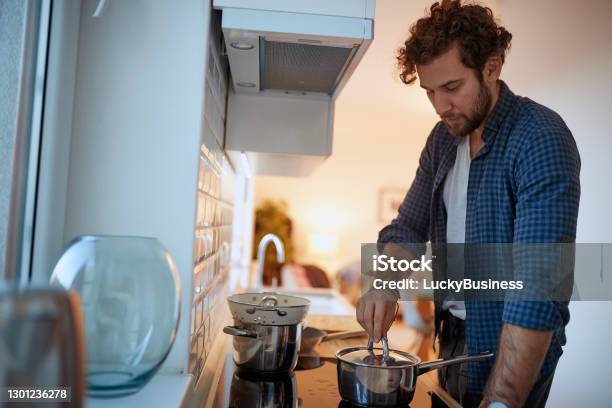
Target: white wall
x=137 y=122
x=561 y=57
x=380 y=127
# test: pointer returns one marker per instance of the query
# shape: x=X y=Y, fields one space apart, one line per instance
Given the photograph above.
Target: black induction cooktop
x=313 y=388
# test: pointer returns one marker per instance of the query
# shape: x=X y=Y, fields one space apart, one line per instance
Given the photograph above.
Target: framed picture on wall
x=389 y=200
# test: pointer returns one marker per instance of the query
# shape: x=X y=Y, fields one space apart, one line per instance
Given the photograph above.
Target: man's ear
x=492 y=69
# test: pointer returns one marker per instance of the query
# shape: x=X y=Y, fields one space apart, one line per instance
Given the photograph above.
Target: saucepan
x=370 y=376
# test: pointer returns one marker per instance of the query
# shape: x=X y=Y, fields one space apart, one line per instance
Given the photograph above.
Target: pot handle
x=236 y=331
x=279 y=312
x=435 y=364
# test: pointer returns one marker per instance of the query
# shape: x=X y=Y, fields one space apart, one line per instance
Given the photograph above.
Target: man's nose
x=441 y=104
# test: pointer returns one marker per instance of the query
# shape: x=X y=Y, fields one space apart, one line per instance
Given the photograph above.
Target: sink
x=323 y=301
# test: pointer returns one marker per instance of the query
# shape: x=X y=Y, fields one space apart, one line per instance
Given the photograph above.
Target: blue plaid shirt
x=523 y=187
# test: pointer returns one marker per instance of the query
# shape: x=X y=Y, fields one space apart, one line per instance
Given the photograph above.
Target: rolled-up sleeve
x=547 y=175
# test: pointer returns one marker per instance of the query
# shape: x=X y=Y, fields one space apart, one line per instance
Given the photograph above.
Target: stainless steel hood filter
x=303 y=67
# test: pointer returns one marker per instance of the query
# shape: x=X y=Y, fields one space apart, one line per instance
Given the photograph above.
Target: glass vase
x=130 y=296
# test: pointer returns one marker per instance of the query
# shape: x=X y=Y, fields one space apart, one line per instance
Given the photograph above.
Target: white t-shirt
x=455 y=201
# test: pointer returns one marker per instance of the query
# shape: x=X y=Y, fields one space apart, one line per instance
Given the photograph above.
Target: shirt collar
x=504 y=105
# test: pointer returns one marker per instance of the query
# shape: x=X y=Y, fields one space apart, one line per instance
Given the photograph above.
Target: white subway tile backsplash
x=213 y=237
x=214 y=215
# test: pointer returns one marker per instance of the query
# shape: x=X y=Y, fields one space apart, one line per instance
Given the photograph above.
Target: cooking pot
x=267 y=331
x=369 y=376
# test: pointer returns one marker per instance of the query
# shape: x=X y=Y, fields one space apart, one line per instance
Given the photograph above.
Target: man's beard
x=480 y=109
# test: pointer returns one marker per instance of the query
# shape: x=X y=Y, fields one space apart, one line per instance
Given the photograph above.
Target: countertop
x=173 y=390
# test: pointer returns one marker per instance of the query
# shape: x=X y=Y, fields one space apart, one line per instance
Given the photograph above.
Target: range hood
x=297 y=47
x=289 y=61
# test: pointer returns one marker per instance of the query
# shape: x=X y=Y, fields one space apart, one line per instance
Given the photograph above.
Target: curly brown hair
x=472 y=26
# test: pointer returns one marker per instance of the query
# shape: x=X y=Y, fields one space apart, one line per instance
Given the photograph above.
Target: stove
x=315 y=388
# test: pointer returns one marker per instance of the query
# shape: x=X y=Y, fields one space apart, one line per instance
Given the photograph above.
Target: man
x=497 y=168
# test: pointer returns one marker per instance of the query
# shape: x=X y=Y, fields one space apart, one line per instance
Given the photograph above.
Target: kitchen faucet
x=261 y=256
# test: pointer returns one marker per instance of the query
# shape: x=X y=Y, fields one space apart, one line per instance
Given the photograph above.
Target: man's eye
x=452 y=88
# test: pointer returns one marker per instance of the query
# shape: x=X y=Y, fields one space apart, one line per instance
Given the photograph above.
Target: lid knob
x=373 y=358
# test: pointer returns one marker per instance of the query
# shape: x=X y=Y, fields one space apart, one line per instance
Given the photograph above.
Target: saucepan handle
x=237 y=331
x=435 y=364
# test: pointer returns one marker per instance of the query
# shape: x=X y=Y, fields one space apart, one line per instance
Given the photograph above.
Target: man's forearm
x=520 y=357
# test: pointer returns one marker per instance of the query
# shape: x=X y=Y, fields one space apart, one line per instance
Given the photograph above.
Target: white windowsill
x=164 y=390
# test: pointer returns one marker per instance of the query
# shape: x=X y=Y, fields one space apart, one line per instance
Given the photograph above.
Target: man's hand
x=376 y=316
x=520 y=357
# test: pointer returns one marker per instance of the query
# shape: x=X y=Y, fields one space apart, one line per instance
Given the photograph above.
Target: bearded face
x=462 y=124
x=461 y=96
